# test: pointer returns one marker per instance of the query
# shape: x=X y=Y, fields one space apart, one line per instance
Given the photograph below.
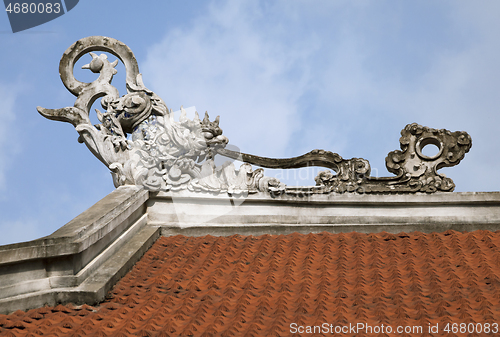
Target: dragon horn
x=182 y=117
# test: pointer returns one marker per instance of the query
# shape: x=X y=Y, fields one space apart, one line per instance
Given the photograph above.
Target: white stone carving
x=168 y=155
x=162 y=154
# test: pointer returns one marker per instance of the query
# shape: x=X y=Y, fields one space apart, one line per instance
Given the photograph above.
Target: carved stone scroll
x=141 y=143
x=415 y=172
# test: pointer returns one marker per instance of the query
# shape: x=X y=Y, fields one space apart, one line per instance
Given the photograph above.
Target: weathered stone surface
x=61 y=265
x=415 y=172
x=168 y=155
x=162 y=154
x=191 y=214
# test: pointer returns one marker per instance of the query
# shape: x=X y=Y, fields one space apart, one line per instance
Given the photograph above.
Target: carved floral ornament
x=163 y=154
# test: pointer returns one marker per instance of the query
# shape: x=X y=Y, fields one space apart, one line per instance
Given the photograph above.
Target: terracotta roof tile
x=258 y=286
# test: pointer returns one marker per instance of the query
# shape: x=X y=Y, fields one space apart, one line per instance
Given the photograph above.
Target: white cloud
x=234 y=64
x=290 y=77
x=456 y=88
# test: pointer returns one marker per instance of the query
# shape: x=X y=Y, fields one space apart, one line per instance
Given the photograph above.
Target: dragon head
x=213 y=133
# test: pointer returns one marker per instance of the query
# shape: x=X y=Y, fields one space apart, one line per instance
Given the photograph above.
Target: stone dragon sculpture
x=163 y=154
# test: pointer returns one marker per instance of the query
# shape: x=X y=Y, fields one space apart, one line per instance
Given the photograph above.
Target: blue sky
x=285 y=76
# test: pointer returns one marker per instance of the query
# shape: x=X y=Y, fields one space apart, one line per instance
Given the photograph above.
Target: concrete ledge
x=83 y=231
x=95 y=288
x=285 y=229
x=200 y=214
x=438 y=198
x=46 y=269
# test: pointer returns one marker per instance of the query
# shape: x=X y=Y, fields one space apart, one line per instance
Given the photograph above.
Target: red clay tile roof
x=259 y=286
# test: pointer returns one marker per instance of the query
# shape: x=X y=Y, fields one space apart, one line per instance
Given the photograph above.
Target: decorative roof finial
x=164 y=154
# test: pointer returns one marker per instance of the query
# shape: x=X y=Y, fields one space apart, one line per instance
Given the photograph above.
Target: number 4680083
x=471 y=328
x=33 y=8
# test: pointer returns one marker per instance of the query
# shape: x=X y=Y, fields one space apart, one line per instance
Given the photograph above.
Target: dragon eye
x=208 y=135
